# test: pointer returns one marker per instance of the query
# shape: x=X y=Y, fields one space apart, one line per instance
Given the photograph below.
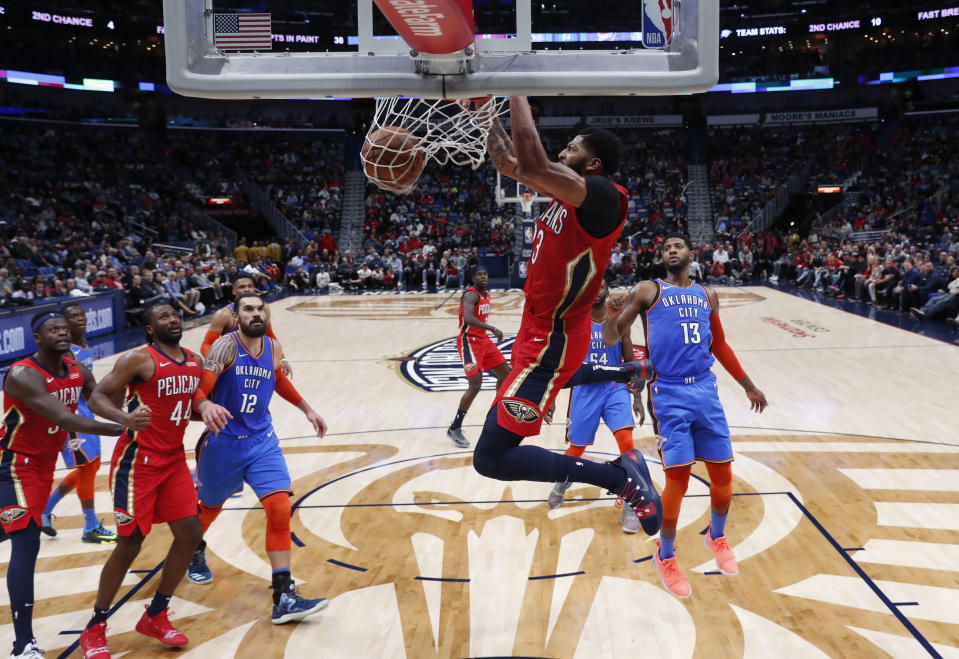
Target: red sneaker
x=671 y=575
x=93 y=640
x=159 y=627
x=725 y=560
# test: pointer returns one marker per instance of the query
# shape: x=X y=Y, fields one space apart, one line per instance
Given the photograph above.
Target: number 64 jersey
x=169 y=395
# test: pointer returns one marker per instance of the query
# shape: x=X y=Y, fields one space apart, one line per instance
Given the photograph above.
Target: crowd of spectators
x=99 y=209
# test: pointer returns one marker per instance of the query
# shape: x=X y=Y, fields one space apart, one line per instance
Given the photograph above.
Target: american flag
x=242 y=32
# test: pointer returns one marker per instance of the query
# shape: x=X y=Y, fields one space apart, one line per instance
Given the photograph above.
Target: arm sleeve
x=208 y=340
x=205 y=388
x=286 y=389
x=722 y=351
x=599 y=214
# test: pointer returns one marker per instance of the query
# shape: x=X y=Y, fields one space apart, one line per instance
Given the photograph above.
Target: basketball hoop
x=445 y=130
x=526 y=201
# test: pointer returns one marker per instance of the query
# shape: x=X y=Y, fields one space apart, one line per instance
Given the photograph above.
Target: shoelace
x=670 y=567
x=628 y=495
x=719 y=543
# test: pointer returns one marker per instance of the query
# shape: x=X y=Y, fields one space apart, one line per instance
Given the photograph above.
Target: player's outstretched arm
x=725 y=355
x=286 y=391
x=108 y=395
x=27 y=384
x=220 y=356
x=219 y=322
x=531 y=166
x=622 y=312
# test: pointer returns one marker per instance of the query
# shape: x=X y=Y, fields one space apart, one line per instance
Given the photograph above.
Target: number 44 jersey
x=169 y=395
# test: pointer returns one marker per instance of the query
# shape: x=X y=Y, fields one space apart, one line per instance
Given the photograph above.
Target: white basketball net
x=526 y=202
x=447 y=131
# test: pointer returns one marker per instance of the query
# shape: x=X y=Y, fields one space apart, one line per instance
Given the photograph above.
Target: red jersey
x=567 y=265
x=480 y=312
x=169 y=395
x=26 y=432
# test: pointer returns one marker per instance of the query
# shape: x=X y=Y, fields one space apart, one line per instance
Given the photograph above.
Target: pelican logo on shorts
x=657 y=23
x=437 y=366
x=520 y=410
x=122 y=518
x=12 y=514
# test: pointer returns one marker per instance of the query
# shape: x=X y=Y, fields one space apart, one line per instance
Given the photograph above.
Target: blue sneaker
x=638 y=492
x=198 y=572
x=293 y=607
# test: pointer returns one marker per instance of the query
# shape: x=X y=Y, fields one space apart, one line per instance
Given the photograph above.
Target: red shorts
x=478 y=353
x=544 y=359
x=25 y=484
x=149 y=487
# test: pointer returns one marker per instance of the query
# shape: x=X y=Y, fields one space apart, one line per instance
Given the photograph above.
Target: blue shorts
x=223 y=463
x=79 y=448
x=689 y=420
x=589 y=402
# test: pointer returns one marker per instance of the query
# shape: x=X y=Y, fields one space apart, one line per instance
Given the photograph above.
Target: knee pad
x=277 y=507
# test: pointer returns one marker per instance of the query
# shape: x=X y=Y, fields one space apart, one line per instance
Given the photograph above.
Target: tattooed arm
x=220 y=355
x=499 y=146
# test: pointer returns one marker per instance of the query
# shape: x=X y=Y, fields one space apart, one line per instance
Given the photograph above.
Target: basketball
x=392 y=158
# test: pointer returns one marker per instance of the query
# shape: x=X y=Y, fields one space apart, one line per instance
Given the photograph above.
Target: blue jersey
x=677 y=331
x=83 y=356
x=245 y=389
x=599 y=352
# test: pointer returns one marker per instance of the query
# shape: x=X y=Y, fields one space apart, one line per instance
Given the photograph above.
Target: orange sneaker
x=725 y=560
x=671 y=575
x=159 y=627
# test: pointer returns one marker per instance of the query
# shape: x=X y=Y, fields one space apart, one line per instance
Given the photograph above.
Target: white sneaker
x=31 y=651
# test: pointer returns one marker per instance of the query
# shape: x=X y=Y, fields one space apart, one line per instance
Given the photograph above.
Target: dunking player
x=241 y=373
x=609 y=400
x=81 y=452
x=477 y=352
x=681 y=321
x=224 y=321
x=571 y=246
x=149 y=476
x=40 y=398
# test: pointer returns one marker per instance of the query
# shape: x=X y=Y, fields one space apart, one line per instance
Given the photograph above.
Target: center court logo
x=437 y=366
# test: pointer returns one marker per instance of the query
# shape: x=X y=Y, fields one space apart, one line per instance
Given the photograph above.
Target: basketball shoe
x=725 y=560
x=672 y=576
x=289 y=606
x=99 y=536
x=46 y=525
x=557 y=494
x=30 y=651
x=198 y=572
x=159 y=627
x=628 y=521
x=93 y=641
x=457 y=437
x=638 y=492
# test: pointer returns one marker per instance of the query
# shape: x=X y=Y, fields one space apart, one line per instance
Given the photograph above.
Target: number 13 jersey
x=677 y=330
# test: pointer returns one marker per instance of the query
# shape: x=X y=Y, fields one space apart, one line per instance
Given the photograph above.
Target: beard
x=599 y=302
x=253 y=332
x=167 y=337
x=576 y=166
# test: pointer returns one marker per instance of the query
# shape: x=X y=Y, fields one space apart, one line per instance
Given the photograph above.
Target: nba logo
x=657 y=23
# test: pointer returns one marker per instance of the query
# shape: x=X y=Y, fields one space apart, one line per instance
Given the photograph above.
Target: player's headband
x=36 y=324
x=480 y=268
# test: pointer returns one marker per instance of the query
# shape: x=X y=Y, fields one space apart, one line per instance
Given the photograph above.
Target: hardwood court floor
x=845 y=521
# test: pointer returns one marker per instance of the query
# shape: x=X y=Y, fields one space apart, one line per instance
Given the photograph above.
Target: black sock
x=281 y=583
x=593 y=373
x=202 y=545
x=458 y=421
x=160 y=602
x=25 y=545
x=99 y=615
